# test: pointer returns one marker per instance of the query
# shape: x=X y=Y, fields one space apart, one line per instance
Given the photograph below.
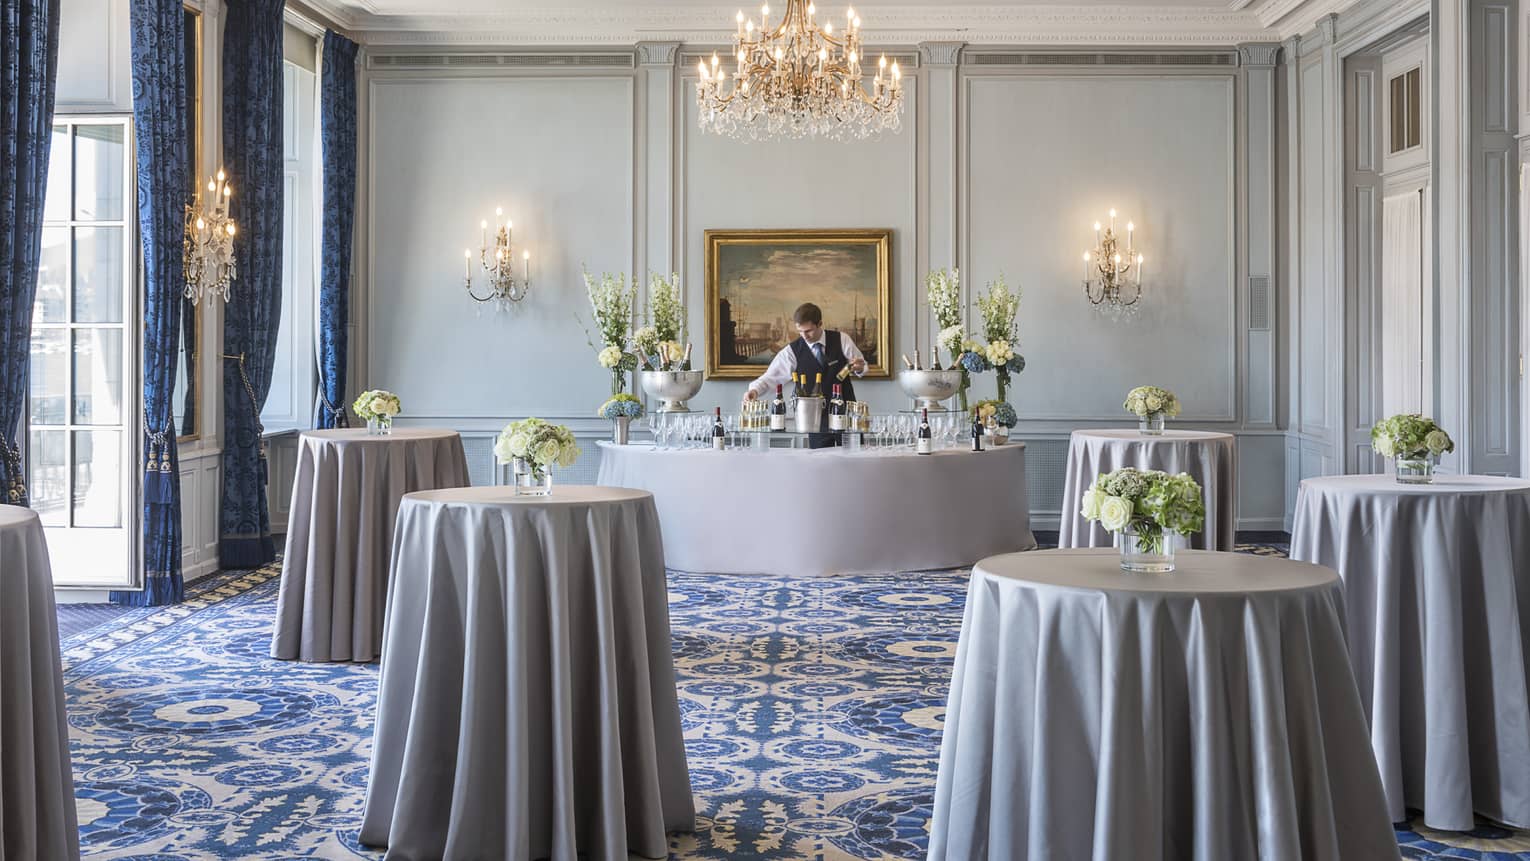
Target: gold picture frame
x=756 y=278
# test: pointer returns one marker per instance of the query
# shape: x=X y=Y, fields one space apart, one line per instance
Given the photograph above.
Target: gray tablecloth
x=527 y=706
x=1204 y=715
x=339 y=531
x=1210 y=458
x=37 y=816
x=1437 y=583
x=830 y=511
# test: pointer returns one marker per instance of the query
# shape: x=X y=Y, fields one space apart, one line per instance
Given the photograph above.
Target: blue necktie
x=818 y=354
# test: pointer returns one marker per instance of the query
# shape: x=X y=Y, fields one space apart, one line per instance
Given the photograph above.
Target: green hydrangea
x=1410 y=436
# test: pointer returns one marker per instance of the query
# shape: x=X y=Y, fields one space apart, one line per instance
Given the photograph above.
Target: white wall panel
x=444 y=153
x=1047 y=157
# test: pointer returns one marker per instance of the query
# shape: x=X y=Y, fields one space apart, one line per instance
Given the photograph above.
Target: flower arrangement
x=621 y=405
x=1146 y=401
x=1148 y=503
x=944 y=292
x=665 y=312
x=999 y=308
x=1410 y=436
x=375 y=404
x=539 y=443
x=612 y=300
x=996 y=412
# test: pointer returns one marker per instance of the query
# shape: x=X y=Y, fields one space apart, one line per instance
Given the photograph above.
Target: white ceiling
x=574 y=22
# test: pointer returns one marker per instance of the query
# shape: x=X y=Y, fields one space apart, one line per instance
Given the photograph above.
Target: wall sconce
x=498 y=262
x=1113 y=278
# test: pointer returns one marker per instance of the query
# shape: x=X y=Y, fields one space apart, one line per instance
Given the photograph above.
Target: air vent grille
x=1071 y=59
x=517 y=61
x=1259 y=303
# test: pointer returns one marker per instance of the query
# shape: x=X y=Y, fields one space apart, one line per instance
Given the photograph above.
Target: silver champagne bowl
x=929 y=388
x=673 y=388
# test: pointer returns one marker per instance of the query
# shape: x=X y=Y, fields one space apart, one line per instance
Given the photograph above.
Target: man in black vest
x=816 y=351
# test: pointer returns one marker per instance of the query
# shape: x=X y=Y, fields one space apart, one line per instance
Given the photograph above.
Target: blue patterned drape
x=252 y=154
x=337 y=136
x=164 y=186
x=28 y=67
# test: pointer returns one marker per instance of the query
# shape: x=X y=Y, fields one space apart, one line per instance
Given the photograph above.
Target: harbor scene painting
x=757 y=278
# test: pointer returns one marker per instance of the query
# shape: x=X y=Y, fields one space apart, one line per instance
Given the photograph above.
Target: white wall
x=597 y=158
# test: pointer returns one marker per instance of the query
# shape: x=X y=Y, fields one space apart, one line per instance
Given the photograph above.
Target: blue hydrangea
x=974 y=362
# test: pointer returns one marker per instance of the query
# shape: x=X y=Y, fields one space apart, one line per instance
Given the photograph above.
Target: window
x=1404 y=100
x=289 y=404
x=82 y=421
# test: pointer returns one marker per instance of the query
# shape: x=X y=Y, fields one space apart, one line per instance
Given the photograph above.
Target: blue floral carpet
x=812 y=713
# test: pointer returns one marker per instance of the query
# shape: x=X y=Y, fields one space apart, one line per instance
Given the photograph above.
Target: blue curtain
x=252 y=153
x=164 y=186
x=337 y=137
x=28 y=67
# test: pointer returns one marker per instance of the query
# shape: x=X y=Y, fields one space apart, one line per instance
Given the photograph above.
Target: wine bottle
x=718 y=434
x=843 y=373
x=977 y=431
x=778 y=412
x=925 y=443
x=685 y=364
x=837 y=414
x=817 y=385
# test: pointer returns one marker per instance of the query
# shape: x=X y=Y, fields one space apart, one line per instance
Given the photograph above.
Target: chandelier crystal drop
x=795 y=78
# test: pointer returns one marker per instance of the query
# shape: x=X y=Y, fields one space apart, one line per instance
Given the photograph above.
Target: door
x=83 y=416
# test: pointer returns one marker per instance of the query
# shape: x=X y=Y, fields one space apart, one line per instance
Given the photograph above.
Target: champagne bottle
x=817 y=385
x=643 y=359
x=685 y=364
x=837 y=414
x=977 y=431
x=917 y=366
x=925 y=443
x=906 y=363
x=843 y=373
x=718 y=435
x=663 y=358
x=778 y=412
x=935 y=359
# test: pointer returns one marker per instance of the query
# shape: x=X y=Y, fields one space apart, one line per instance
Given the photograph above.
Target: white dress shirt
x=785 y=363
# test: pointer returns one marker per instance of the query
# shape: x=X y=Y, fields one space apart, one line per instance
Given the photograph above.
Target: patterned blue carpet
x=812 y=713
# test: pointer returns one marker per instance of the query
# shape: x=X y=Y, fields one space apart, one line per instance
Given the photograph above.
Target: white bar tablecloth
x=37 y=816
x=1210 y=458
x=1437 y=584
x=339 y=531
x=1208 y=714
x=810 y=512
x=526 y=705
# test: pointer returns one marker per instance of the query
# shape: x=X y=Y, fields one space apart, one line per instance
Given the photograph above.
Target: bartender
x=816 y=351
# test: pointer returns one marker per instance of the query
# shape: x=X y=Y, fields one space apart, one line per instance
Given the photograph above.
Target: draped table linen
x=1203 y=715
x=1210 y=458
x=526 y=704
x=345 y=497
x=37 y=814
x=806 y=512
x=1437 y=586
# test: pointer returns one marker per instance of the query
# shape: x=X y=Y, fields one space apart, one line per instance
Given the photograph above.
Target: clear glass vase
x=1147 y=551
x=379 y=425
x=1151 y=425
x=1415 y=468
x=532 y=479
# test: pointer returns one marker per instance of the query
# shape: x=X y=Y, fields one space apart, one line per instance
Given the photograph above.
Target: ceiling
x=611 y=22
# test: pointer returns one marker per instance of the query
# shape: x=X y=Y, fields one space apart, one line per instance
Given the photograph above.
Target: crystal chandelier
x=1113 y=280
x=796 y=78
x=504 y=287
x=207 y=246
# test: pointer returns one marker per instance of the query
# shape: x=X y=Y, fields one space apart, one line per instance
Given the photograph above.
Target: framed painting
x=755 y=279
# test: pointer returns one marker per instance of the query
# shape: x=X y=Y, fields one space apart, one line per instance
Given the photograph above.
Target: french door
x=83 y=413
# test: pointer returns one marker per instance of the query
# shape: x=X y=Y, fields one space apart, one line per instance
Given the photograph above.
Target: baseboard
x=200 y=570
x=81 y=596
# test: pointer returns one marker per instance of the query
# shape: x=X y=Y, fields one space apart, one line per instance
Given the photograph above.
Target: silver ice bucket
x=673 y=388
x=809 y=415
x=929 y=388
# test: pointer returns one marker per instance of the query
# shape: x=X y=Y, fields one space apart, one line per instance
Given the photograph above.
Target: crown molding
x=891 y=25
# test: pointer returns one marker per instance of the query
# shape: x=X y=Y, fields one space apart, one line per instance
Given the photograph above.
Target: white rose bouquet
x=540 y=444
x=611 y=301
x=1145 y=401
x=1149 y=503
x=1410 y=436
x=376 y=403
